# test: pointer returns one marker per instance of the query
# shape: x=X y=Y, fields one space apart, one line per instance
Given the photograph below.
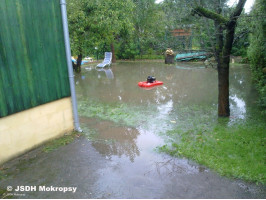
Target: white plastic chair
x=107 y=60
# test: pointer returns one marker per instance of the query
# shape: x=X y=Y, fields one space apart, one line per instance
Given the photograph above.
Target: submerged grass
x=234 y=148
x=3 y=194
x=117 y=113
x=3 y=175
x=56 y=143
x=236 y=151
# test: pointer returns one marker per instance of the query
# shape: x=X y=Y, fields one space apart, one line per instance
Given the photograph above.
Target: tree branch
x=230 y=30
x=238 y=9
x=209 y=14
x=241 y=35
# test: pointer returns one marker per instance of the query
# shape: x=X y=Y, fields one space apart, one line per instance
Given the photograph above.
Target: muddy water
x=180 y=85
x=135 y=169
x=117 y=158
x=186 y=84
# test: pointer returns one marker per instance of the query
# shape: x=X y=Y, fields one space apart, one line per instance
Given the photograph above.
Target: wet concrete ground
x=110 y=167
x=111 y=160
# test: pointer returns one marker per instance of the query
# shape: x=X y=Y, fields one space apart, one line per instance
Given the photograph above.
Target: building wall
x=25 y=130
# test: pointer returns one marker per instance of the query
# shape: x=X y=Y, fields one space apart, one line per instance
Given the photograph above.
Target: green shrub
x=257 y=50
x=151 y=57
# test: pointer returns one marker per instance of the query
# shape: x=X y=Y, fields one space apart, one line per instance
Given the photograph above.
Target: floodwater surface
x=137 y=170
x=123 y=124
x=184 y=83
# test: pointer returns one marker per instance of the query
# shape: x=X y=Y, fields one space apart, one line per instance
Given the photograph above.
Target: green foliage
x=4 y=194
x=112 y=16
x=78 y=23
x=95 y=23
x=126 y=48
x=2 y=175
x=257 y=50
x=150 y=57
x=149 y=26
x=127 y=51
x=177 y=13
x=137 y=26
x=241 y=40
x=210 y=14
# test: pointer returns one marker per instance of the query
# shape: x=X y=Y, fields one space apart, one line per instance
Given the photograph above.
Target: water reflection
x=108 y=72
x=238 y=106
x=178 y=102
x=187 y=86
x=112 y=140
x=190 y=66
x=171 y=166
x=242 y=93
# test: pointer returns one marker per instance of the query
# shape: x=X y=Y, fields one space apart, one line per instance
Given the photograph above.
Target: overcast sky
x=248 y=4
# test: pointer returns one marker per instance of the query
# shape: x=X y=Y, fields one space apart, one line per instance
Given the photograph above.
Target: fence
x=33 y=68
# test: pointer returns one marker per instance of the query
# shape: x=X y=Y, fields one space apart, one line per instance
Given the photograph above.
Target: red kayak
x=146 y=84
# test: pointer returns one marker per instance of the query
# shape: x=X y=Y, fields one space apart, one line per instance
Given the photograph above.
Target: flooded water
x=189 y=93
x=123 y=124
x=180 y=85
x=186 y=84
x=136 y=170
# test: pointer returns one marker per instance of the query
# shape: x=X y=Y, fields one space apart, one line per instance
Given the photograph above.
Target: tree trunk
x=223 y=74
x=219 y=43
x=113 y=52
x=74 y=66
x=223 y=91
x=79 y=60
x=223 y=49
x=223 y=71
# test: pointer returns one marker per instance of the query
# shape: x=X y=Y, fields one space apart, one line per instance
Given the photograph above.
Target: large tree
x=111 y=17
x=225 y=32
x=80 y=15
x=149 y=23
x=94 y=23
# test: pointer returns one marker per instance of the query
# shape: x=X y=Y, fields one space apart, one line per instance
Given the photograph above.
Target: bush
x=154 y=56
x=257 y=50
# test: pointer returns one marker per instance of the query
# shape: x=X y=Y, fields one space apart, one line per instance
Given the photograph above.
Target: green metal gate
x=33 y=67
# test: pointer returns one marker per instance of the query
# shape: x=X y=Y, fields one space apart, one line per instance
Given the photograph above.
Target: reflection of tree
x=183 y=86
x=241 y=87
x=117 y=141
x=190 y=86
x=172 y=166
x=239 y=83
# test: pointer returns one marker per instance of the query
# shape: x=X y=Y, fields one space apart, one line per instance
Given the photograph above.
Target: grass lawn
x=236 y=151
